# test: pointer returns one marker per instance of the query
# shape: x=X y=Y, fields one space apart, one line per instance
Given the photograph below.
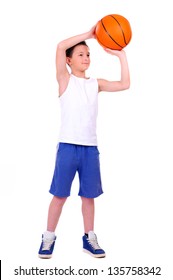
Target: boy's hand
x=115 y=52
x=91 y=33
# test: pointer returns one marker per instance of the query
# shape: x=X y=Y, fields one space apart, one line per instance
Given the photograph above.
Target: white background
x=134 y=215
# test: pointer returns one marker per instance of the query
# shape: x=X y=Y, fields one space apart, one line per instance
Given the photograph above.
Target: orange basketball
x=113 y=32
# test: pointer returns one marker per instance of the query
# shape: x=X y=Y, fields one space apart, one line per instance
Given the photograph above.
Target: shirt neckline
x=85 y=79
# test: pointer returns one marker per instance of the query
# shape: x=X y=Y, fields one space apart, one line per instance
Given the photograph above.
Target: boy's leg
x=88 y=210
x=55 y=209
x=48 y=238
x=90 y=243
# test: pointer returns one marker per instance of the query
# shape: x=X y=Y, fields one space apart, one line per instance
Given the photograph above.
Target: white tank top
x=79 y=108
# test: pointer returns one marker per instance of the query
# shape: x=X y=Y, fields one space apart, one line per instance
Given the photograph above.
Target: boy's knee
x=60 y=200
x=87 y=200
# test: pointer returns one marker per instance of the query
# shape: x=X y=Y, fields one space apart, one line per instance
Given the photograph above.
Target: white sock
x=49 y=235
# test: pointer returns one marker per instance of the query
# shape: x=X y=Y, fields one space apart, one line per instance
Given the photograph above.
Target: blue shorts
x=73 y=158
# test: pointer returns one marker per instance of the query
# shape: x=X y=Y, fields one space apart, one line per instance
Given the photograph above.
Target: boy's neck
x=79 y=74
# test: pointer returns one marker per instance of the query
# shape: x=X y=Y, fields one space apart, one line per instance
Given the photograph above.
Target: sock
x=49 y=235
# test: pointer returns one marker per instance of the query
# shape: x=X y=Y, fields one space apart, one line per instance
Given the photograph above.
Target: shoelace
x=47 y=244
x=94 y=243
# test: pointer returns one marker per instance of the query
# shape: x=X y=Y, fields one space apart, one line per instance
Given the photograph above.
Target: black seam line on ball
x=109 y=34
x=121 y=28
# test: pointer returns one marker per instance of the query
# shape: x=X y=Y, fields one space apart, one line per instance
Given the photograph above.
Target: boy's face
x=80 y=59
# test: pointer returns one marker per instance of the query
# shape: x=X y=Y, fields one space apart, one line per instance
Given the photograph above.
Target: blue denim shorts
x=72 y=159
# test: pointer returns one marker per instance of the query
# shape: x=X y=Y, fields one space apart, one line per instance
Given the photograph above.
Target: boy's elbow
x=59 y=45
x=126 y=85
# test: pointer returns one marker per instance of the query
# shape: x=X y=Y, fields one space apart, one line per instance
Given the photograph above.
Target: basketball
x=113 y=31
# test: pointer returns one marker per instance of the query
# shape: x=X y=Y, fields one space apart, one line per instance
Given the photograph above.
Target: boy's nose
x=86 y=58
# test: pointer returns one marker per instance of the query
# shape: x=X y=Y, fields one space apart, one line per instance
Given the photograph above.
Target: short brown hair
x=69 y=51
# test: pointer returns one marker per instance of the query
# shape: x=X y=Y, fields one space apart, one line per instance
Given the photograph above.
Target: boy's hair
x=69 y=52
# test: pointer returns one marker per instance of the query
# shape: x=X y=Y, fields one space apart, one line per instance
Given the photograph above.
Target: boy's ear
x=68 y=60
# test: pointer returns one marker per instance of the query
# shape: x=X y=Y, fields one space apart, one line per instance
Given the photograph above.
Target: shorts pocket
x=62 y=147
x=94 y=151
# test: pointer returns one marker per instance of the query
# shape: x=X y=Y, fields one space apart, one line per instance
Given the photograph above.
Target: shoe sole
x=45 y=256
x=94 y=255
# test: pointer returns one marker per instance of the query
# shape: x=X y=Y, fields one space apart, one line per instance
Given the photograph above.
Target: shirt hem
x=76 y=142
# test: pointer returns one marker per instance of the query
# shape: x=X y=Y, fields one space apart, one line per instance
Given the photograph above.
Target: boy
x=77 y=151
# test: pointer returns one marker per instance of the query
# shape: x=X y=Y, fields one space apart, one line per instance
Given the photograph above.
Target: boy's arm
x=61 y=67
x=124 y=82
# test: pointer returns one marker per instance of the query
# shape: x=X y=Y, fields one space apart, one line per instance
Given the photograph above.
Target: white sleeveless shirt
x=79 y=108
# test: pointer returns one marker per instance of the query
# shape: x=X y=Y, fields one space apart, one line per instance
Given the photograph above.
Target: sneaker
x=90 y=245
x=46 y=248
